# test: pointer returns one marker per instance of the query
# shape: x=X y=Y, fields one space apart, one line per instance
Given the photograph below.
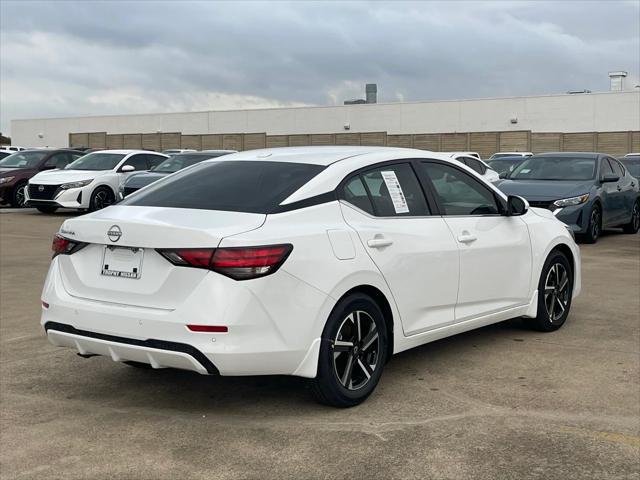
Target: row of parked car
x=587 y=191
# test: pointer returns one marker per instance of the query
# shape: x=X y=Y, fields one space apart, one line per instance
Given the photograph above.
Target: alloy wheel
x=595 y=223
x=356 y=350
x=102 y=199
x=556 y=291
x=20 y=196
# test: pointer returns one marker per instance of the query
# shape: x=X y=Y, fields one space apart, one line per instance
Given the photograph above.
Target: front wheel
x=555 y=291
x=18 y=199
x=634 y=225
x=100 y=198
x=353 y=352
x=595 y=225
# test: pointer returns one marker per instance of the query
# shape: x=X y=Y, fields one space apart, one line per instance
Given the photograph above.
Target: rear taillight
x=239 y=263
x=64 y=246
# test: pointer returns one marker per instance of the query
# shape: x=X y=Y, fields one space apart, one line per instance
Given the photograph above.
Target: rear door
x=626 y=189
x=612 y=195
x=413 y=249
x=495 y=250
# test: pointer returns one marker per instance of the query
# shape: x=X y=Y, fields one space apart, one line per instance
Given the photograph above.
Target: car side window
x=139 y=162
x=616 y=167
x=605 y=168
x=154 y=160
x=475 y=165
x=355 y=194
x=58 y=160
x=394 y=190
x=458 y=192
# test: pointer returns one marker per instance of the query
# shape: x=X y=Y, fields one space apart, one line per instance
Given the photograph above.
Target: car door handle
x=466 y=237
x=619 y=187
x=633 y=184
x=379 y=242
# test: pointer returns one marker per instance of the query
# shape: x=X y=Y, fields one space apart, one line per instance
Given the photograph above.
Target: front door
x=495 y=250
x=413 y=249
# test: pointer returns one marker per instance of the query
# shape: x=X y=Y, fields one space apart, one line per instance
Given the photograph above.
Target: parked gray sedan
x=587 y=191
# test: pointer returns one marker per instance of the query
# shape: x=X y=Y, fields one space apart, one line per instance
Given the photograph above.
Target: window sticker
x=395 y=190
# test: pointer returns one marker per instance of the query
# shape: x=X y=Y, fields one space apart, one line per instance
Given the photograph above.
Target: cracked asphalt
x=501 y=402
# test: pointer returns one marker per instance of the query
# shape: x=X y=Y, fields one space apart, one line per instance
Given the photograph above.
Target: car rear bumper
x=265 y=336
x=157 y=353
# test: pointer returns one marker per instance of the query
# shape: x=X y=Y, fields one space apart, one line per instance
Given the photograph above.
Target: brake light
x=64 y=246
x=208 y=328
x=239 y=263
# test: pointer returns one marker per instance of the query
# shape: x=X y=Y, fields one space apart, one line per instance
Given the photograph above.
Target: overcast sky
x=89 y=58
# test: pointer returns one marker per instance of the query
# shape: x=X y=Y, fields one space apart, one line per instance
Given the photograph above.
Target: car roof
x=127 y=152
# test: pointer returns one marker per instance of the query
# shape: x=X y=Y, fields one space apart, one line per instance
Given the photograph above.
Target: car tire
x=555 y=292
x=634 y=225
x=46 y=209
x=18 y=195
x=595 y=225
x=351 y=361
x=100 y=198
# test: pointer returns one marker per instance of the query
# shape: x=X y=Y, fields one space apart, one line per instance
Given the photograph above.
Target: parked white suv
x=91 y=182
x=319 y=262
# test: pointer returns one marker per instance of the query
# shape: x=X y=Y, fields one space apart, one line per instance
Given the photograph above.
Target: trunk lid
x=160 y=285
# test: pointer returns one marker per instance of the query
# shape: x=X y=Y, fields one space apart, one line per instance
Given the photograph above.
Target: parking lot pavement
x=500 y=402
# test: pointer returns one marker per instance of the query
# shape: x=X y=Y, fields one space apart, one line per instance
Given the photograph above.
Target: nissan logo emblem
x=41 y=188
x=114 y=233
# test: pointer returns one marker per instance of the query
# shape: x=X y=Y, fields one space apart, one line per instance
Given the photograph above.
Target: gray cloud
x=82 y=58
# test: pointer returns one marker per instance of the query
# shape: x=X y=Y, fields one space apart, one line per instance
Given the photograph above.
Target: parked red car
x=18 y=168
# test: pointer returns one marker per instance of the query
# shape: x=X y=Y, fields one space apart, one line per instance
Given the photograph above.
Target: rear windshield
x=96 y=161
x=234 y=186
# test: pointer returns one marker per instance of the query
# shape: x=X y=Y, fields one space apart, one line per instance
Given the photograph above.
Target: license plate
x=122 y=262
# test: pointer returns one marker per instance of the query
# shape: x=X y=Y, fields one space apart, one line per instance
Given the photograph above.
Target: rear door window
x=355 y=194
x=154 y=160
x=234 y=186
x=139 y=162
x=616 y=167
x=394 y=191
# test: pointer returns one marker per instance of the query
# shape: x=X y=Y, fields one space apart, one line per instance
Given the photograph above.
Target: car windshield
x=234 y=186
x=503 y=167
x=180 y=161
x=633 y=165
x=22 y=160
x=96 y=161
x=555 y=168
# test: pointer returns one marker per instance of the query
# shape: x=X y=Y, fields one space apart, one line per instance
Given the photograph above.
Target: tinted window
x=555 y=168
x=459 y=193
x=154 y=160
x=617 y=168
x=235 y=186
x=475 y=165
x=355 y=193
x=96 y=161
x=22 y=160
x=59 y=160
x=180 y=161
x=394 y=190
x=139 y=162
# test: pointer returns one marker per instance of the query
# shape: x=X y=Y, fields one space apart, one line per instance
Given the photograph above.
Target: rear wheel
x=595 y=225
x=634 y=225
x=555 y=290
x=352 y=352
x=18 y=198
x=100 y=198
x=46 y=209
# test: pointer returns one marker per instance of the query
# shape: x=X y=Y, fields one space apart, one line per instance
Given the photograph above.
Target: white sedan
x=319 y=262
x=91 y=182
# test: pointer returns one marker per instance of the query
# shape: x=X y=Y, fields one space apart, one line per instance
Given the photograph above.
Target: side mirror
x=609 y=177
x=516 y=206
x=127 y=168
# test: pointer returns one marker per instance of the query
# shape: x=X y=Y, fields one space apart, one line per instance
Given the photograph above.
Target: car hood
x=143 y=179
x=545 y=189
x=7 y=172
x=56 y=177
